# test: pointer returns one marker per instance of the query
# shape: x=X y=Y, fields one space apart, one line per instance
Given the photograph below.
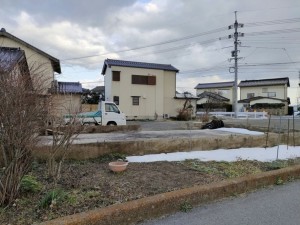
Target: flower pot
x=118 y=166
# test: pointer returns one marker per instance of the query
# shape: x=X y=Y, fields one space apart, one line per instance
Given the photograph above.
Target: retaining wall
x=164 y=145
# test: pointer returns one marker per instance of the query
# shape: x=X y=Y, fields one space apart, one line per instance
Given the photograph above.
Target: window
x=110 y=107
x=146 y=80
x=271 y=94
x=250 y=95
x=116 y=75
x=135 y=100
x=116 y=100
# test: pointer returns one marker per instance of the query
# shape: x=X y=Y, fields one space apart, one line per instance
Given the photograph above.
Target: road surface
x=278 y=205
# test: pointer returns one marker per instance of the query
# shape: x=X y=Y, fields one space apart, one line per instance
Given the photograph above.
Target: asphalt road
x=278 y=205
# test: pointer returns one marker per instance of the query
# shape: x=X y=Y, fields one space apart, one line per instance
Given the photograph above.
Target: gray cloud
x=74 y=28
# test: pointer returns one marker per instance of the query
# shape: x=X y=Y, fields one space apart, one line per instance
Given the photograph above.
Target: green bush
x=30 y=184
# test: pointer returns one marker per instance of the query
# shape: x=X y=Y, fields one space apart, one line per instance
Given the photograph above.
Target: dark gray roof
x=215 y=85
x=69 y=87
x=55 y=62
x=98 y=89
x=265 y=82
x=10 y=57
x=185 y=95
x=215 y=96
x=114 y=62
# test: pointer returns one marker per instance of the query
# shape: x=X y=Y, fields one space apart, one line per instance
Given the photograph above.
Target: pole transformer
x=234 y=55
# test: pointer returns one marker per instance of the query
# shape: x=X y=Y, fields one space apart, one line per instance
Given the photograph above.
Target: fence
x=255 y=115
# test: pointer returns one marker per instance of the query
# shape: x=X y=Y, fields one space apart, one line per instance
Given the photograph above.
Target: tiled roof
x=215 y=85
x=114 y=62
x=186 y=95
x=98 y=89
x=207 y=94
x=9 y=57
x=69 y=87
x=265 y=82
x=55 y=62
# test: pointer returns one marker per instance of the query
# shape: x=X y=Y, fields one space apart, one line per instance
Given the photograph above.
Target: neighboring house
x=13 y=60
x=42 y=67
x=142 y=90
x=66 y=98
x=186 y=100
x=209 y=101
x=215 y=96
x=265 y=95
x=100 y=91
x=39 y=62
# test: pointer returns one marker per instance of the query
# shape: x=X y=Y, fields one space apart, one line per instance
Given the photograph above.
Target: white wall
x=154 y=99
x=280 y=90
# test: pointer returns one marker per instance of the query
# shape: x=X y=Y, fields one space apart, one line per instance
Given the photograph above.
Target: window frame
x=116 y=75
x=135 y=100
x=143 y=79
x=116 y=100
x=250 y=95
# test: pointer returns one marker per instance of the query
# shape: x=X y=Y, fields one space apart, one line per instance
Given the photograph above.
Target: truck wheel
x=111 y=124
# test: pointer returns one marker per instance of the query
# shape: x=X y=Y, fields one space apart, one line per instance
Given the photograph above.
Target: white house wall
x=281 y=91
x=155 y=100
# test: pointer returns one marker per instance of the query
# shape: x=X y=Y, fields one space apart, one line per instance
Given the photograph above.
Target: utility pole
x=234 y=55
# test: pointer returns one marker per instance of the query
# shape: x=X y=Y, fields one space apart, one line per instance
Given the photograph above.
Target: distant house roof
x=214 y=96
x=248 y=100
x=185 y=95
x=265 y=82
x=114 y=62
x=98 y=89
x=10 y=57
x=55 y=62
x=215 y=85
x=69 y=87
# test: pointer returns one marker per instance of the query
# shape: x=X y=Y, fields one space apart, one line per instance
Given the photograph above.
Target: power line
x=273 y=22
x=155 y=44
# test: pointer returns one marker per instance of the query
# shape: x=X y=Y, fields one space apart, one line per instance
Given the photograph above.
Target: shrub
x=29 y=183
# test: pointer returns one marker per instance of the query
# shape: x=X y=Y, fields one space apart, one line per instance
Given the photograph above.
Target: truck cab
x=111 y=114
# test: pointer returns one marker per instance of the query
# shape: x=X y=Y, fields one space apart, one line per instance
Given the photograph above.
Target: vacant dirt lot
x=90 y=184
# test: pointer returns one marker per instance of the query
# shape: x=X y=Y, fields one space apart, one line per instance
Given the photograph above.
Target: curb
x=162 y=204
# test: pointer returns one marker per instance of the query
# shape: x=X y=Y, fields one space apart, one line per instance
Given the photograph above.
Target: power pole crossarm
x=234 y=55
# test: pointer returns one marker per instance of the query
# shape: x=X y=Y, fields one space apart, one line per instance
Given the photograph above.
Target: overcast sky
x=192 y=35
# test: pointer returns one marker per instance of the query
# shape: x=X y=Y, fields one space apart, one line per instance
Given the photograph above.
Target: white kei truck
x=108 y=115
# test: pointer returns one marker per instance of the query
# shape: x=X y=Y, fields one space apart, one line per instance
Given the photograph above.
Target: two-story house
x=218 y=96
x=142 y=90
x=265 y=95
